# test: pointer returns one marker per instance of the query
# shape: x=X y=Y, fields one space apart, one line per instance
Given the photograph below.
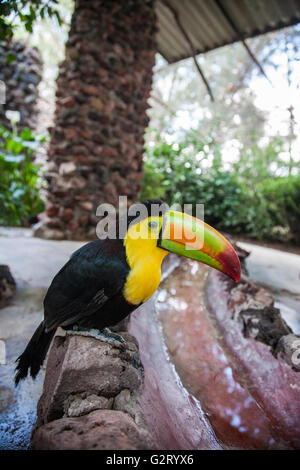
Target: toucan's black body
x=105 y=280
x=86 y=292
x=92 y=283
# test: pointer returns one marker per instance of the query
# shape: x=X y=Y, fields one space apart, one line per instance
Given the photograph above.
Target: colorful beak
x=190 y=237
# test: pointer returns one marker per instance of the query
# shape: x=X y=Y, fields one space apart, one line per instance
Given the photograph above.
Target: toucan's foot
x=104 y=335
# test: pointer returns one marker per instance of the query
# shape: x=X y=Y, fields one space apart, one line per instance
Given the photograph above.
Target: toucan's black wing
x=94 y=274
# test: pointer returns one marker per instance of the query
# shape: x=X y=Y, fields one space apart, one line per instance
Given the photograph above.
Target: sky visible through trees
x=248 y=109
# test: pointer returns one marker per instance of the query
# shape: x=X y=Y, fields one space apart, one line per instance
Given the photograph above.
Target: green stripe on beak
x=190 y=237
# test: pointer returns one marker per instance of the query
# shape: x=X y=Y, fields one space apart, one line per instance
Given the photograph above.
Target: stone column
x=20 y=74
x=91 y=397
x=103 y=88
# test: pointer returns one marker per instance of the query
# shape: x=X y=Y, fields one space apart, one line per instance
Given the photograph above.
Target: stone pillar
x=103 y=88
x=20 y=74
x=91 y=397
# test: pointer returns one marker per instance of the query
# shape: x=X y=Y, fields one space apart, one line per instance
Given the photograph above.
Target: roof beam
x=240 y=37
x=191 y=46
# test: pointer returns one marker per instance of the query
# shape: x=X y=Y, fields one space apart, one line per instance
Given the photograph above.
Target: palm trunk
x=97 y=141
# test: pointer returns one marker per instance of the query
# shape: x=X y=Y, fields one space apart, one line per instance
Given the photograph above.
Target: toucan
x=106 y=279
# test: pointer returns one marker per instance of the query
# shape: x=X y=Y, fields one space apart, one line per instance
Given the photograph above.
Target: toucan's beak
x=193 y=238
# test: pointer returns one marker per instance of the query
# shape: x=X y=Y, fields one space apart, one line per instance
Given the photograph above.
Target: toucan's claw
x=105 y=335
x=111 y=334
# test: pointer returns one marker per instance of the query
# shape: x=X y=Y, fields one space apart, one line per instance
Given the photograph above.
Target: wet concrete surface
x=271 y=381
x=205 y=369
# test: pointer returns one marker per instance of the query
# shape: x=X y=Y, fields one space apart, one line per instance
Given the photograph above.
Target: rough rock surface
x=97 y=141
x=247 y=295
x=80 y=366
x=7 y=285
x=20 y=71
x=99 y=430
x=288 y=347
x=265 y=325
x=91 y=396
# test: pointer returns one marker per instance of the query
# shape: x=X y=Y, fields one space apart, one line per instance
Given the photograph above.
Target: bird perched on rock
x=106 y=279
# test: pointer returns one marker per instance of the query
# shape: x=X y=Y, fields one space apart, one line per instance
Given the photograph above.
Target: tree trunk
x=103 y=86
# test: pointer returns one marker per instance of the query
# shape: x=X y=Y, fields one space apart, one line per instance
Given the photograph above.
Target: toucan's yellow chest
x=144 y=259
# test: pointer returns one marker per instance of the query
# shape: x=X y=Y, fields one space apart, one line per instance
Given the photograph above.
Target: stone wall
x=20 y=70
x=91 y=397
x=97 y=141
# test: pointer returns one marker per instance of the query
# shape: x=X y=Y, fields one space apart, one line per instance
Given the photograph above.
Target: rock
x=86 y=205
x=86 y=134
x=67 y=168
x=79 y=364
x=288 y=347
x=52 y=211
x=67 y=102
x=248 y=295
x=99 y=430
x=42 y=231
x=22 y=77
x=128 y=402
x=70 y=133
x=78 y=405
x=76 y=182
x=7 y=285
x=67 y=215
x=97 y=104
x=90 y=90
x=265 y=325
x=31 y=78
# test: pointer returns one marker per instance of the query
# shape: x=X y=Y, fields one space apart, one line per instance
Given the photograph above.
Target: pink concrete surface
x=206 y=386
x=272 y=382
x=174 y=417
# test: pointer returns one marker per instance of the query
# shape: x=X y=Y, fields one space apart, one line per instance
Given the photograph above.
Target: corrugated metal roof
x=215 y=23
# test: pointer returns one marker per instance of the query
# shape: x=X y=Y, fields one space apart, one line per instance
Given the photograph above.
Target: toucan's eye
x=152 y=225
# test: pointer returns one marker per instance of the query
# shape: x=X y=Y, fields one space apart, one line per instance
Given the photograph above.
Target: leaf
x=28 y=26
x=10 y=57
x=59 y=20
x=26 y=134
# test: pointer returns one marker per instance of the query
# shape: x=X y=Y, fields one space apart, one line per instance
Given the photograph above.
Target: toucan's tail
x=34 y=354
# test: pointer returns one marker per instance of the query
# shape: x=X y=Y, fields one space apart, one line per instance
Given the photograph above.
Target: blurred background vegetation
x=20 y=184
x=238 y=155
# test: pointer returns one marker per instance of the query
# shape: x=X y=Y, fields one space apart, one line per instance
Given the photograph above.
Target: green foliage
x=271 y=210
x=27 y=11
x=257 y=163
x=282 y=197
x=19 y=179
x=179 y=174
x=248 y=198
